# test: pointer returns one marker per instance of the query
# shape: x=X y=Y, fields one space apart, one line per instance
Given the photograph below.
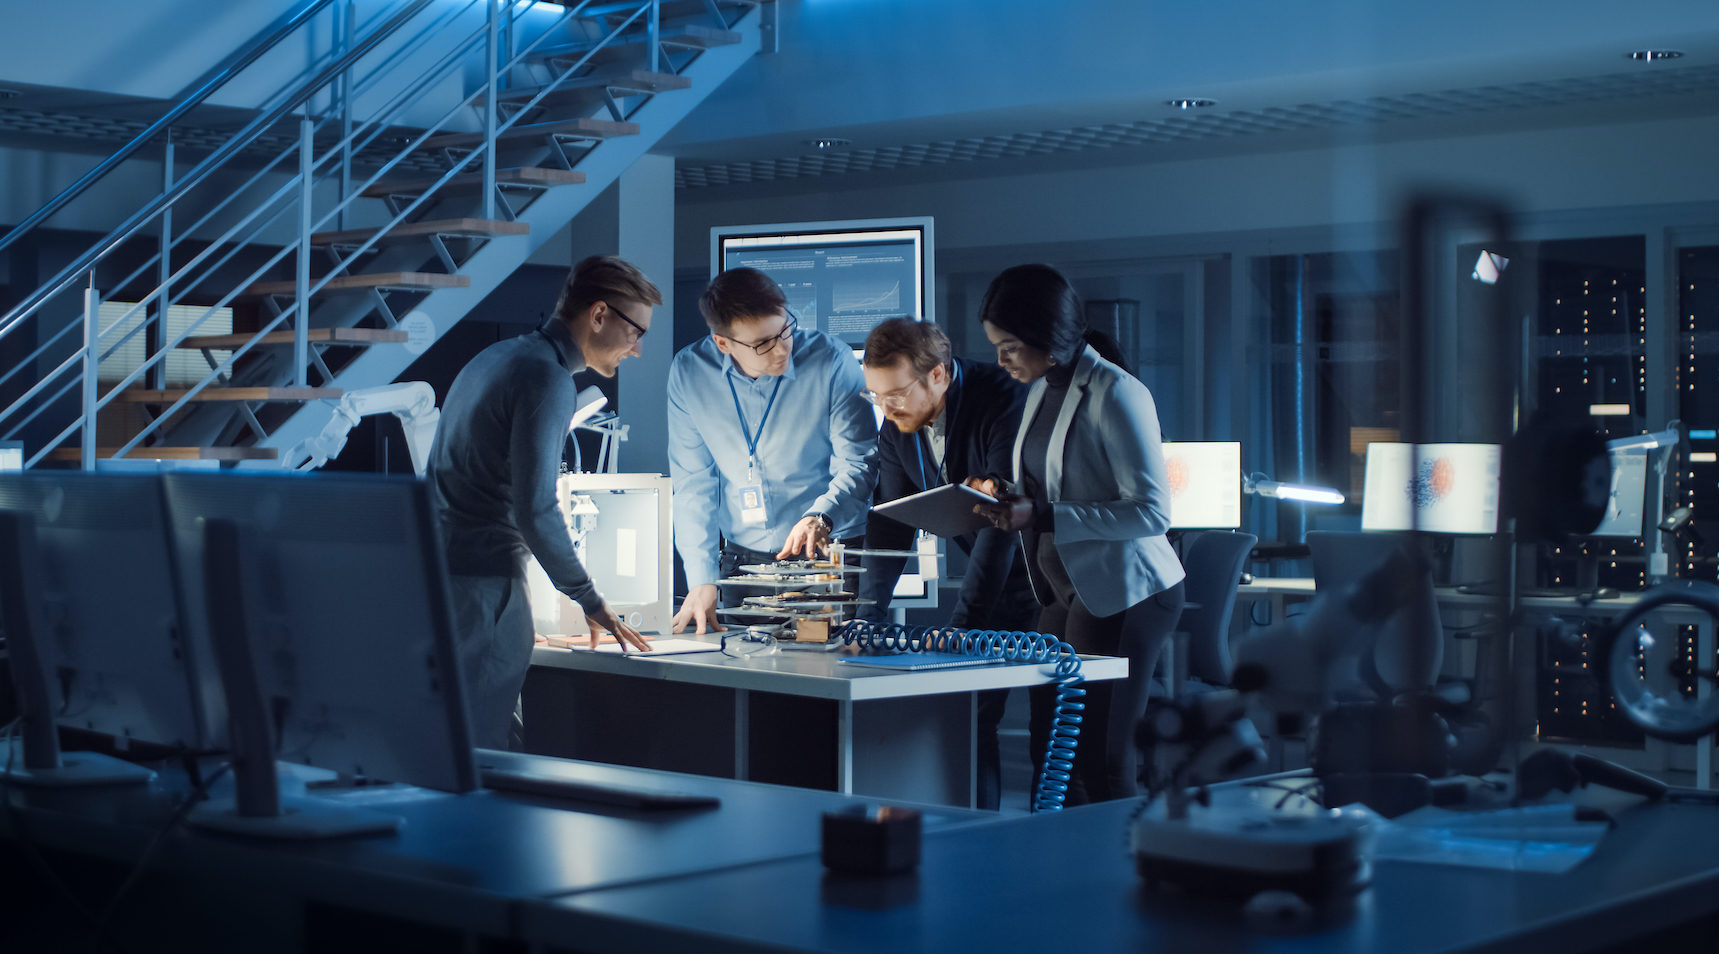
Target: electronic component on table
x=776 y=582
x=782 y=612
x=799 y=568
x=798 y=598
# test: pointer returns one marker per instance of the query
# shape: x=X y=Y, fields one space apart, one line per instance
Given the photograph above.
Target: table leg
x=972 y=750
x=742 y=742
x=845 y=747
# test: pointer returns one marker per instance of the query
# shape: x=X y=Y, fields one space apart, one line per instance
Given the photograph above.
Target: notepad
x=915 y=661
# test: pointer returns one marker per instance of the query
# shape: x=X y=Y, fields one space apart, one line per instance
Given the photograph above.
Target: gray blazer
x=1105 y=479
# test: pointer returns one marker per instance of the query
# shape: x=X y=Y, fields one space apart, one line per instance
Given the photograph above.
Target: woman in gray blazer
x=1090 y=500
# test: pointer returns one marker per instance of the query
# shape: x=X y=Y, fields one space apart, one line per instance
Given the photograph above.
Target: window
x=185 y=366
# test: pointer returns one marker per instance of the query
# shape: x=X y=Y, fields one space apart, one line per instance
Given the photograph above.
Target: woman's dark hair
x=1036 y=304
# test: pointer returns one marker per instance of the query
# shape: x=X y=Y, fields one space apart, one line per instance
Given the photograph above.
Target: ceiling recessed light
x=1190 y=103
x=1647 y=56
x=824 y=145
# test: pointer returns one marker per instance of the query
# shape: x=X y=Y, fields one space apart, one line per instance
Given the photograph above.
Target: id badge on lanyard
x=754 y=512
x=927 y=547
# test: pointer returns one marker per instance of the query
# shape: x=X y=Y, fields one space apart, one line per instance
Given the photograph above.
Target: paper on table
x=1545 y=838
x=659 y=646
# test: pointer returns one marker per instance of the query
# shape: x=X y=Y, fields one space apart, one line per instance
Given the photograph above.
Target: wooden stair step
x=172 y=453
x=587 y=87
x=690 y=36
x=669 y=8
x=403 y=281
x=169 y=395
x=408 y=231
x=583 y=127
x=525 y=176
x=335 y=336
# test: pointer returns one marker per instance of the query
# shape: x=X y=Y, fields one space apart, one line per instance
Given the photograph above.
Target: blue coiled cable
x=1009 y=646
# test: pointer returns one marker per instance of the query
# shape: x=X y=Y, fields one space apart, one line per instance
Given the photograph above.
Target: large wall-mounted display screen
x=839 y=277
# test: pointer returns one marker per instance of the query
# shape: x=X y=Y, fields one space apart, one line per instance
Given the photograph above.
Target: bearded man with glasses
x=771 y=440
x=945 y=420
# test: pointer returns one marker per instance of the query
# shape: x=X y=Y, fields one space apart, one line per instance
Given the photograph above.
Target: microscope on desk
x=1243 y=844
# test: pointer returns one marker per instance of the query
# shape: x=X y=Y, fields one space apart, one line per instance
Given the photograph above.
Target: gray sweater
x=496 y=458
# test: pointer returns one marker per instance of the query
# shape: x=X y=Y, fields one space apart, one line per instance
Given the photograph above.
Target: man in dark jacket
x=945 y=420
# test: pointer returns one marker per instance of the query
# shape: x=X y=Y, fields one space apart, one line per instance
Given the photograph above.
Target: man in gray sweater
x=492 y=478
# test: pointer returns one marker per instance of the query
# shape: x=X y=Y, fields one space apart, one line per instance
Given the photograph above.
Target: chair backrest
x=1213 y=560
x=1397 y=658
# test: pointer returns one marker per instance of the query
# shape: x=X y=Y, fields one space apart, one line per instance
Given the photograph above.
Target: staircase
x=365 y=209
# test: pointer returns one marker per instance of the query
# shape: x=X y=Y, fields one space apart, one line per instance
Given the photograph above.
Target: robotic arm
x=413 y=402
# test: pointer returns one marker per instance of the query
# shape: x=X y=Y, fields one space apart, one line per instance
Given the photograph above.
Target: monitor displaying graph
x=1205 y=484
x=839 y=277
x=1446 y=488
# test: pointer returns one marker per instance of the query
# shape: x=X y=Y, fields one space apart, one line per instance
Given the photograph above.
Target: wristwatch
x=824 y=518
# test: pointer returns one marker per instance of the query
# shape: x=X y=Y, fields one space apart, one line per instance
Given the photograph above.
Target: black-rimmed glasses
x=769 y=344
x=638 y=330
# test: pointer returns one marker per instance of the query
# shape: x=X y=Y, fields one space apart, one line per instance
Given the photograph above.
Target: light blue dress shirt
x=814 y=453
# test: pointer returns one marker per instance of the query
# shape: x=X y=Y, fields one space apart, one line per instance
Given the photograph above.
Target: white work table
x=798 y=717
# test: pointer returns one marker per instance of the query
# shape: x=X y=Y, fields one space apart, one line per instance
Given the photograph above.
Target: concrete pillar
x=645 y=237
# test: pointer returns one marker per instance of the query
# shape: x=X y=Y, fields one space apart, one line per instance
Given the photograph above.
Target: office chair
x=1213 y=560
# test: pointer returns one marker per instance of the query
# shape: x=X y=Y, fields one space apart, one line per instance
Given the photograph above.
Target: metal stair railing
x=307 y=289
x=206 y=87
x=89 y=356
x=298 y=192
x=168 y=280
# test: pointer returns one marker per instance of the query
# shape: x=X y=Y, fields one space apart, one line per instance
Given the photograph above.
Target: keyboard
x=620 y=796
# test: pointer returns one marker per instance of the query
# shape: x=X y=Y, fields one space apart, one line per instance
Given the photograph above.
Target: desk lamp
x=591 y=417
x=1261 y=485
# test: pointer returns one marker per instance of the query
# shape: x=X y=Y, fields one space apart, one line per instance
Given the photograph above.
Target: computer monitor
x=621 y=528
x=1453 y=488
x=842 y=277
x=329 y=613
x=1626 y=504
x=94 y=623
x=1205 y=484
x=1628 y=495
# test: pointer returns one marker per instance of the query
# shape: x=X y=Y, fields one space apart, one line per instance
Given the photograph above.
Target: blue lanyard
x=751 y=437
x=921 y=439
x=919 y=448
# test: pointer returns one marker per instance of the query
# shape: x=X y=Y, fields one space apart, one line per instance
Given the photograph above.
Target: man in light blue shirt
x=771 y=440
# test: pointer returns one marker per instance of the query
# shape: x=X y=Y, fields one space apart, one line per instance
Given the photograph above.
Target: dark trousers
x=1106 y=763
x=493 y=634
x=1010 y=616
